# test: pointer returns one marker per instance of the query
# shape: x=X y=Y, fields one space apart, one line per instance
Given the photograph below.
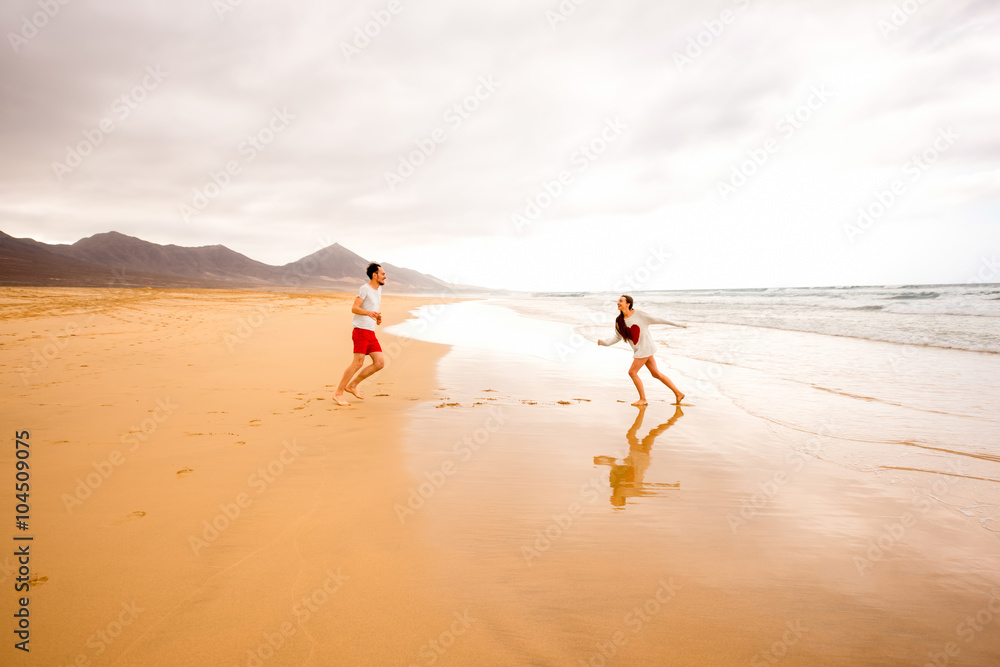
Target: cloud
x=368 y=88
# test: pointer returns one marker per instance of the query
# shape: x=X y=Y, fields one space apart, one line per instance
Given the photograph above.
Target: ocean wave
x=560 y=295
x=918 y=295
x=921 y=338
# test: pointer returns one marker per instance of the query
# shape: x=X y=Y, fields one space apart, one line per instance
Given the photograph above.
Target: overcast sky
x=522 y=144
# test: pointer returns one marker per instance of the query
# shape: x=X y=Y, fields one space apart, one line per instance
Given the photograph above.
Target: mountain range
x=111 y=259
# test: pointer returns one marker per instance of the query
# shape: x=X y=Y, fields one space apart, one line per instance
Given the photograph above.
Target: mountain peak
x=94 y=260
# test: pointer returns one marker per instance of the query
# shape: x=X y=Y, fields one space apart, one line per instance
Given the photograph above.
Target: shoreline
x=811 y=528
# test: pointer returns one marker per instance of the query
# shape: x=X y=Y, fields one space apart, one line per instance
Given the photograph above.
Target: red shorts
x=365 y=341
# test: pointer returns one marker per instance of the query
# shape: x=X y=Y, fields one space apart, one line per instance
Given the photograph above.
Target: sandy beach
x=197 y=499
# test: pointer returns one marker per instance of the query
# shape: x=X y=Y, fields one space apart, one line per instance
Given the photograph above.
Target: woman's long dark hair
x=620 y=327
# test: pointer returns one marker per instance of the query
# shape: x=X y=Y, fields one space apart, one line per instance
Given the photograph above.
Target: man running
x=366 y=316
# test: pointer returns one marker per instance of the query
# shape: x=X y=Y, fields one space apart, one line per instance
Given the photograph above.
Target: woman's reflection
x=627 y=479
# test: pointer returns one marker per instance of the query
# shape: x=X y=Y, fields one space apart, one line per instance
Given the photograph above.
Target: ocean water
x=961 y=317
x=898 y=381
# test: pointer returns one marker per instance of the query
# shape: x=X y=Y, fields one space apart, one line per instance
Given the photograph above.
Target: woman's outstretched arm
x=660 y=320
x=610 y=341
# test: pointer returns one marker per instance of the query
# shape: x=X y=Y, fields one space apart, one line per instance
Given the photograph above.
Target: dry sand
x=198 y=499
x=206 y=399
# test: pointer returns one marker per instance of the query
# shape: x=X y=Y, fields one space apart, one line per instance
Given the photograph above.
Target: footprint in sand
x=254 y=422
x=448 y=405
x=138 y=514
x=381 y=394
x=564 y=403
x=184 y=471
x=37 y=581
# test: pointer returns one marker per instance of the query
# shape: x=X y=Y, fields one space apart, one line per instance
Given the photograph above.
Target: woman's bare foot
x=640 y=403
x=339 y=398
x=680 y=397
x=354 y=390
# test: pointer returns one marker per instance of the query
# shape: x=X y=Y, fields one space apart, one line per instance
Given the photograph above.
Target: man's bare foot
x=640 y=403
x=354 y=390
x=680 y=397
x=339 y=398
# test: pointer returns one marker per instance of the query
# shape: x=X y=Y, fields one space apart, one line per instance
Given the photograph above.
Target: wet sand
x=198 y=499
x=694 y=536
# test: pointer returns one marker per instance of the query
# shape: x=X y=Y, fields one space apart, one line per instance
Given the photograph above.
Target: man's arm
x=358 y=310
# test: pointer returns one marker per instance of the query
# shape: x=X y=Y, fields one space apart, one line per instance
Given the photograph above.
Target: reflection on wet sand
x=628 y=478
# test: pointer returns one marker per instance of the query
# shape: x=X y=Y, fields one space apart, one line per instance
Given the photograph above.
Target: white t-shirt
x=372 y=300
x=638 y=324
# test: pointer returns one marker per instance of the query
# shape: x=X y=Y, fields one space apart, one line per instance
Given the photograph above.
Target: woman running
x=633 y=326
